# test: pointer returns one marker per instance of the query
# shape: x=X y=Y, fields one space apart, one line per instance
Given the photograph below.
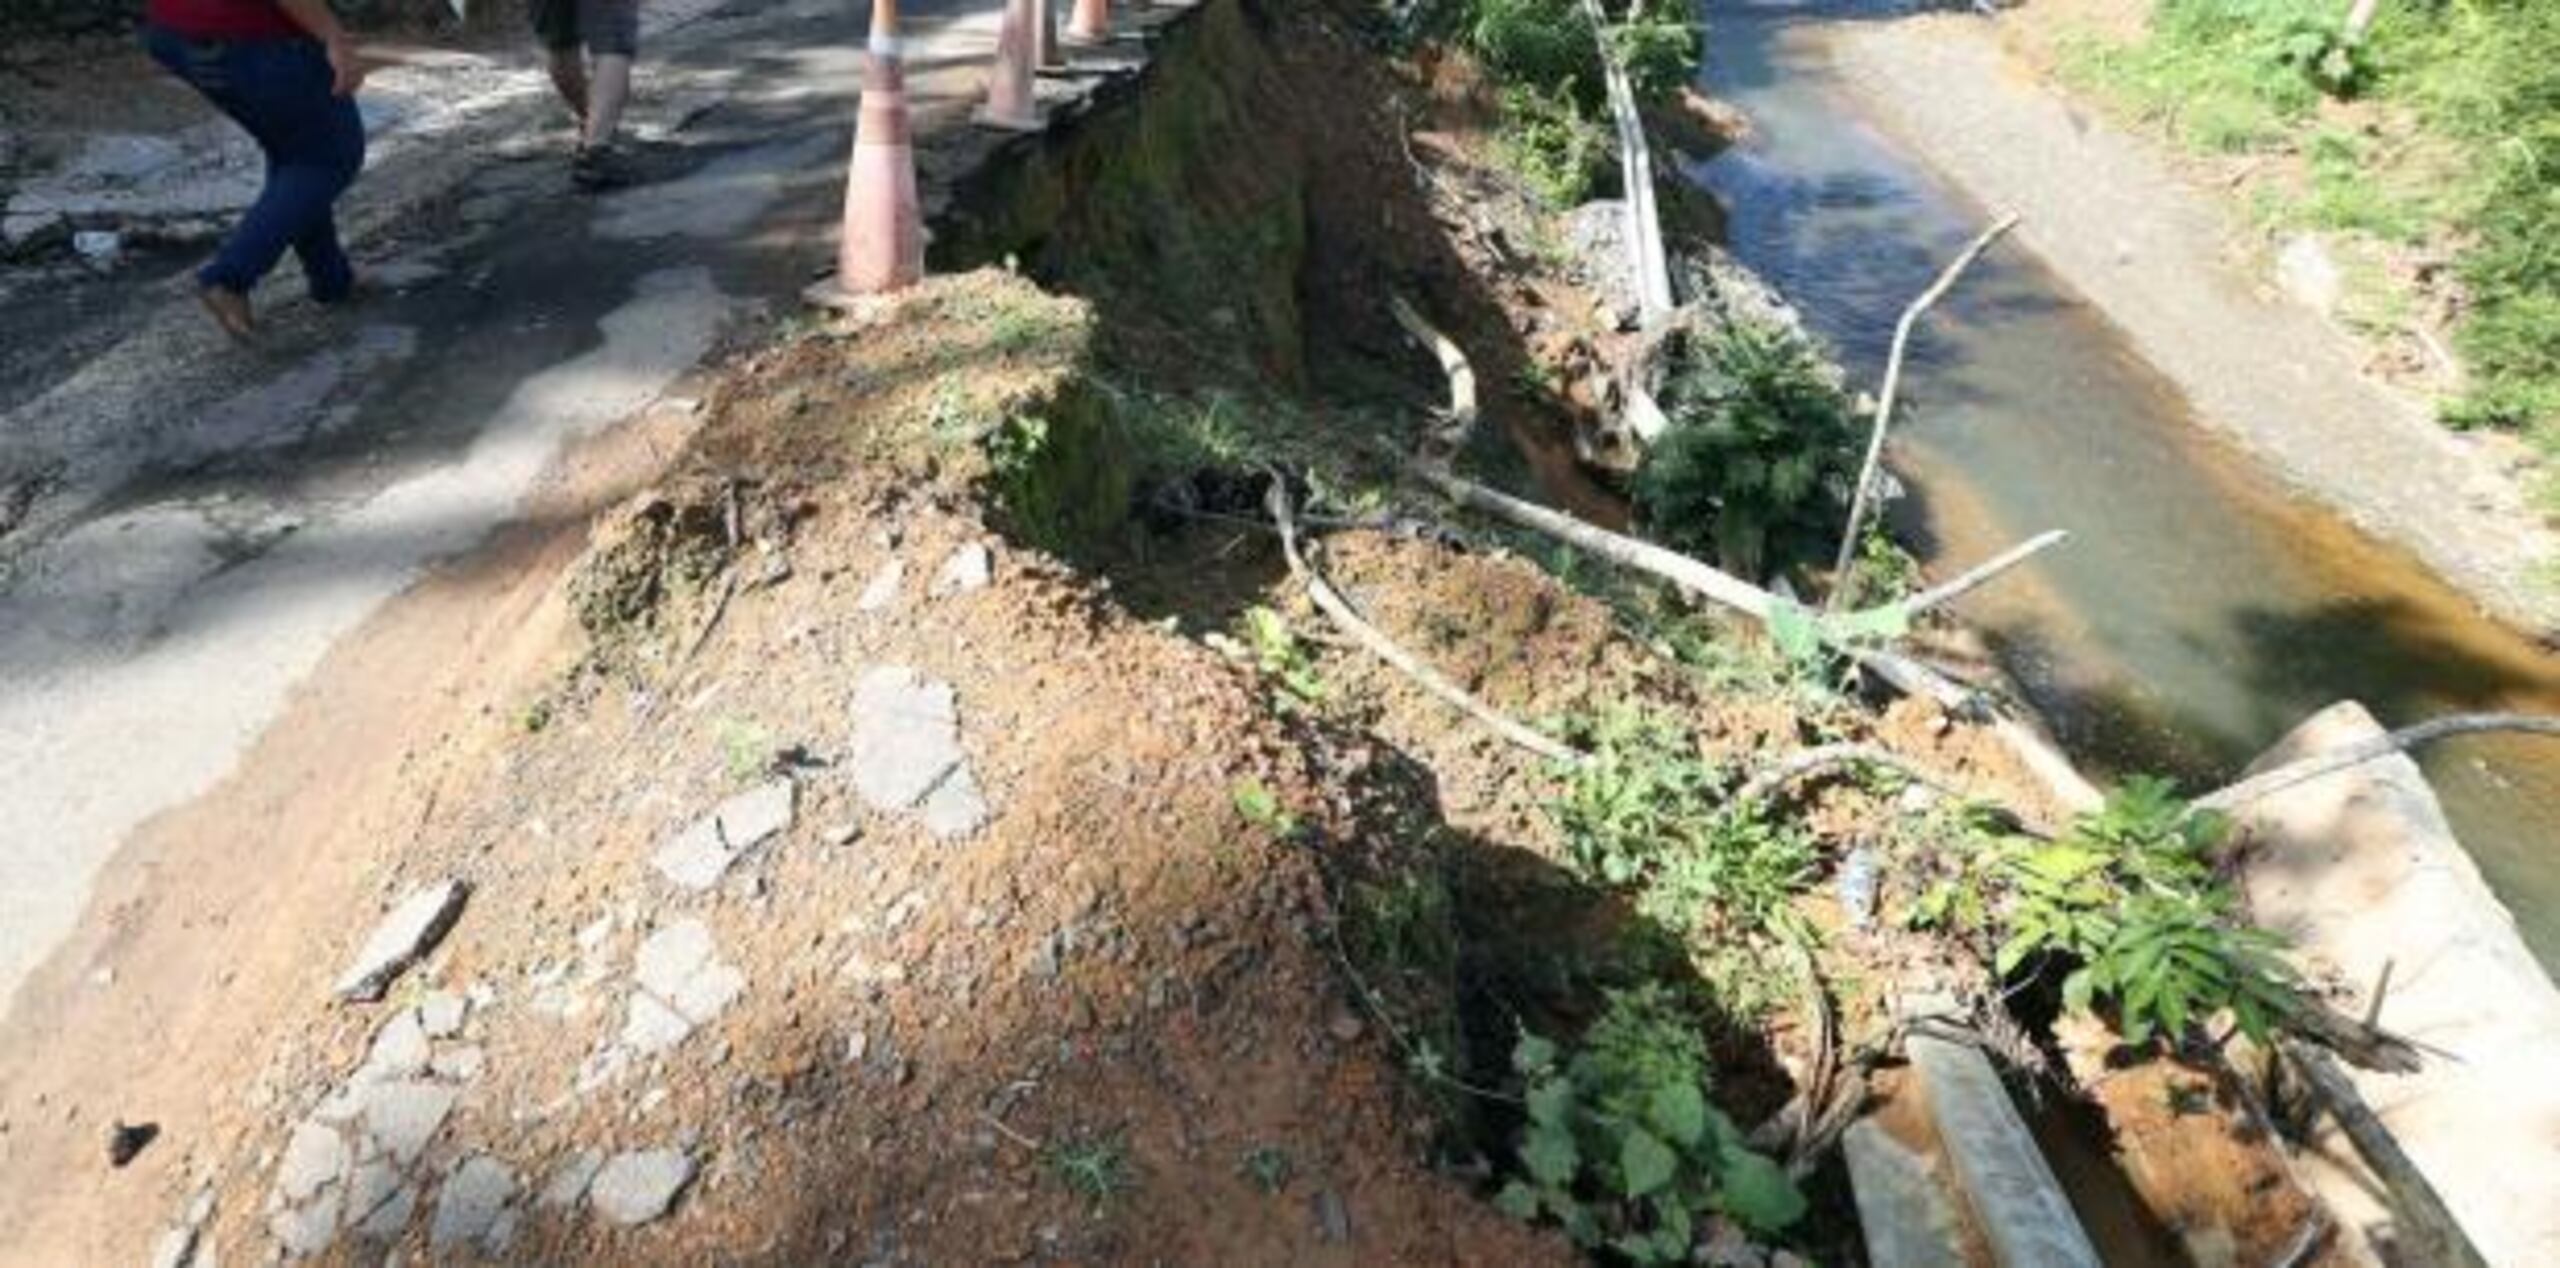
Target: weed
x=1095 y=1168
x=2128 y=899
x=1268 y=1166
x=1261 y=808
x=1280 y=655
x=746 y=750
x=1554 y=143
x=1544 y=42
x=1624 y=812
x=1621 y=1147
x=1658 y=46
x=536 y=716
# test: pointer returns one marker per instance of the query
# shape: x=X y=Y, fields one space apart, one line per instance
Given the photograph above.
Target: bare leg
x=612 y=89
x=569 y=75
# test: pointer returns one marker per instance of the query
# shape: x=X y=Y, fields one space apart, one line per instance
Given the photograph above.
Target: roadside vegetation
x=2432 y=138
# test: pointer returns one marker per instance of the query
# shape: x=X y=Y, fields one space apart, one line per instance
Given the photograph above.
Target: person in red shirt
x=287 y=73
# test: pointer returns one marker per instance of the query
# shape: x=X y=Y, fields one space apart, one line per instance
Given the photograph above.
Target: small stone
x=389 y=1220
x=592 y=937
x=314 y=1157
x=374 y=1183
x=126 y=1141
x=1344 y=1027
x=403 y=1115
x=653 y=1027
x=440 y=1014
x=844 y=834
x=856 y=1046
x=956 y=808
x=906 y=736
x=176 y=1248
x=399 y=1048
x=969 y=568
x=569 y=1180
x=100 y=249
x=635 y=1188
x=308 y=1229
x=696 y=857
x=882 y=593
x=1333 y=1217
x=412 y=929
x=462 y=1064
x=474 y=1196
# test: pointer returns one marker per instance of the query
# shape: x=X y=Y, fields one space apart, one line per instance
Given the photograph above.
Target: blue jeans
x=278 y=90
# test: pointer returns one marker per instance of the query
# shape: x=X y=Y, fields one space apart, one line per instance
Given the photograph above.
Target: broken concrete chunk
x=882 y=593
x=462 y=1064
x=399 y=1048
x=389 y=1220
x=308 y=1229
x=569 y=1180
x=635 y=1188
x=440 y=1014
x=474 y=1196
x=653 y=1027
x=955 y=808
x=696 y=857
x=403 y=1115
x=411 y=930
x=314 y=1157
x=969 y=568
x=906 y=736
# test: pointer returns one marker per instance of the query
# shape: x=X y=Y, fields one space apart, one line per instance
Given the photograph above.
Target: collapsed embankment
x=936 y=825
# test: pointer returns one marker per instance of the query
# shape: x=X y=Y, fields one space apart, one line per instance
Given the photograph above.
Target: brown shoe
x=230 y=310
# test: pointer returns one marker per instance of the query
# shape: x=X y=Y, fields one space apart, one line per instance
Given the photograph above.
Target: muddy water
x=2199 y=611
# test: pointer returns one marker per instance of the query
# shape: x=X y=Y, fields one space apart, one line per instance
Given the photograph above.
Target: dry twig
x=1884 y=400
x=1340 y=611
x=2366 y=750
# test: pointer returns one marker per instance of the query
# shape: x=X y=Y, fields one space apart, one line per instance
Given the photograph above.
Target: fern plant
x=1621 y=1147
x=1757 y=463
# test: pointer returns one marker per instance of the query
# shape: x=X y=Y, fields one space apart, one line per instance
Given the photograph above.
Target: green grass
x=2469 y=157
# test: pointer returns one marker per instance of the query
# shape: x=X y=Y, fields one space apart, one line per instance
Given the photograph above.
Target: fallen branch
x=1884 y=401
x=2366 y=750
x=1461 y=415
x=1646 y=257
x=1627 y=552
x=1808 y=762
x=2417 y=1208
x=1972 y=579
x=1350 y=622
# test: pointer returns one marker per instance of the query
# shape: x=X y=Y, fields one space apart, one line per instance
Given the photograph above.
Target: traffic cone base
x=883 y=248
x=1091 y=23
x=1010 y=103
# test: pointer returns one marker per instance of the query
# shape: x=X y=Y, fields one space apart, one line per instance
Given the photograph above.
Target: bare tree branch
x=1463 y=409
x=1973 y=578
x=2362 y=751
x=1884 y=402
x=1350 y=622
x=1811 y=761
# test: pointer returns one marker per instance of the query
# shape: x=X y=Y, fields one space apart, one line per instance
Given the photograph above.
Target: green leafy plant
x=1543 y=42
x=1095 y=1168
x=1279 y=654
x=1762 y=449
x=1658 y=46
x=1621 y=1147
x=1735 y=873
x=746 y=750
x=1268 y=1166
x=2324 y=56
x=1261 y=808
x=1555 y=145
x=2129 y=901
x=1627 y=809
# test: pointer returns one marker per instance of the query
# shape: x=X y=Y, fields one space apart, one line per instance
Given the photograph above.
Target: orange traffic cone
x=1009 y=101
x=883 y=223
x=1045 y=53
x=1091 y=23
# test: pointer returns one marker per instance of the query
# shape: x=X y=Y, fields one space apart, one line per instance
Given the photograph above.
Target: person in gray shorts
x=591 y=44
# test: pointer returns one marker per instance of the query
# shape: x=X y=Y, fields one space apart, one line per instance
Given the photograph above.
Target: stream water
x=2200 y=610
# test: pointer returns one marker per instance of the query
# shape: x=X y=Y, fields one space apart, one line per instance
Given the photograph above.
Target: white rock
x=635 y=1188
x=399 y=1049
x=906 y=736
x=652 y=1026
x=969 y=568
x=314 y=1158
x=307 y=1229
x=411 y=930
x=695 y=858
x=570 y=1179
x=403 y=1115
x=882 y=593
x=473 y=1198
x=462 y=1064
x=440 y=1014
